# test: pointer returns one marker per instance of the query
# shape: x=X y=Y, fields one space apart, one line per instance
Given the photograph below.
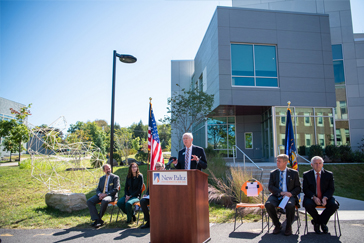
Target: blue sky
x=57 y=55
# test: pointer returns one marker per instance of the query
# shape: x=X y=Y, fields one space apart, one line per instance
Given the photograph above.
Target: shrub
x=315 y=150
x=141 y=156
x=302 y=150
x=358 y=156
x=97 y=160
x=332 y=152
x=211 y=152
x=117 y=156
x=345 y=153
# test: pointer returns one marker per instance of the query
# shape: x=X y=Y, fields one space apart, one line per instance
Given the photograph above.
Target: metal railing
x=235 y=153
x=306 y=160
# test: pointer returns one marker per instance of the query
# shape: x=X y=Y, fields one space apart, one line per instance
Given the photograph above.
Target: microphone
x=168 y=166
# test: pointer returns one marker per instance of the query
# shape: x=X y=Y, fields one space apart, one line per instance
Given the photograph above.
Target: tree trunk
x=10 y=156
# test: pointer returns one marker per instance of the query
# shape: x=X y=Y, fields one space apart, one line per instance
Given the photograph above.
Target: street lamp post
x=125 y=59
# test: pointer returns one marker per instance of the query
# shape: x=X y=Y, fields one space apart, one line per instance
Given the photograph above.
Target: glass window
x=267 y=82
x=216 y=120
x=248 y=136
x=231 y=120
x=243 y=81
x=254 y=65
x=217 y=136
x=337 y=52
x=304 y=111
x=339 y=72
x=221 y=134
x=323 y=111
x=265 y=61
x=242 y=63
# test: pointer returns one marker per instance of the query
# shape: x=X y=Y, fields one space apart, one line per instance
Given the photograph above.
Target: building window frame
x=255 y=76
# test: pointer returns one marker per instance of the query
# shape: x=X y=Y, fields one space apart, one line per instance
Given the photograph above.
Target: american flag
x=154 y=145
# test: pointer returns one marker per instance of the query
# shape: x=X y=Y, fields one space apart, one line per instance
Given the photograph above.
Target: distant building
x=255 y=59
x=5 y=114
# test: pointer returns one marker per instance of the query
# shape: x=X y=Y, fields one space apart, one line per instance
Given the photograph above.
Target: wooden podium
x=179 y=213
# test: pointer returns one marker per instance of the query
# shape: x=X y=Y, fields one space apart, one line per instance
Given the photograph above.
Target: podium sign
x=170 y=178
x=179 y=207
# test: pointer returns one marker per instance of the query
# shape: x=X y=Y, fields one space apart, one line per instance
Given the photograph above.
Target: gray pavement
x=352 y=231
x=351 y=215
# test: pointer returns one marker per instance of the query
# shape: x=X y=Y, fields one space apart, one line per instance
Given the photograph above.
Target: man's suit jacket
x=113 y=187
x=292 y=181
x=196 y=150
x=326 y=182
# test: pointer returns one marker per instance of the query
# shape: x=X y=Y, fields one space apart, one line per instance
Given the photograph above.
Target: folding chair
x=113 y=205
x=137 y=206
x=251 y=188
x=297 y=215
x=336 y=220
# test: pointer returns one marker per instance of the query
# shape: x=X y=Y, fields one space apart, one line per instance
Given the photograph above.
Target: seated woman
x=133 y=190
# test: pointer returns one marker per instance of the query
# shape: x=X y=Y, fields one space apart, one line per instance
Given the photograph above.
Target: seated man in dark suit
x=144 y=202
x=318 y=186
x=283 y=182
x=106 y=192
x=190 y=157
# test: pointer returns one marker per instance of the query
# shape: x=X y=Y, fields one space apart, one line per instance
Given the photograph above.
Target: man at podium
x=191 y=157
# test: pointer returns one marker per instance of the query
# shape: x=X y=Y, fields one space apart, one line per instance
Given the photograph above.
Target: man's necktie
x=107 y=177
x=318 y=186
x=186 y=158
x=281 y=184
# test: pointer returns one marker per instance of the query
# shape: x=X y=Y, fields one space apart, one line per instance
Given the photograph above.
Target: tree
x=140 y=130
x=15 y=131
x=164 y=132
x=188 y=107
x=123 y=138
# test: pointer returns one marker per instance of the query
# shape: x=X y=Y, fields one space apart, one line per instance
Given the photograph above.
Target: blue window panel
x=265 y=61
x=339 y=72
x=243 y=81
x=216 y=120
x=267 y=82
x=337 y=52
x=242 y=60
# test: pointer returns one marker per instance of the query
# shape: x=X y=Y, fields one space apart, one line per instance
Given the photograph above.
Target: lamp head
x=127 y=58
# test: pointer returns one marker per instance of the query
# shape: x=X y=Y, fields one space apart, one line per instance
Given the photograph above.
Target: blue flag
x=290 y=147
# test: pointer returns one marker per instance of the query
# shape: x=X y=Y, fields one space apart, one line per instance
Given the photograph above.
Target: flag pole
x=149 y=151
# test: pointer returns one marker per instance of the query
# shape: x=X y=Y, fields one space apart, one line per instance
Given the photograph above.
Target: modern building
x=255 y=57
x=5 y=114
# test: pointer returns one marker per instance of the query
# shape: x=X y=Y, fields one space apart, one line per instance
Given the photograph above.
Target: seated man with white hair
x=318 y=187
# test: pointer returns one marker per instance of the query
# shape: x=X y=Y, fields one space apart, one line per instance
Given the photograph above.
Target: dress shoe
x=147 y=225
x=288 y=231
x=324 y=228
x=99 y=223
x=277 y=229
x=316 y=227
x=94 y=223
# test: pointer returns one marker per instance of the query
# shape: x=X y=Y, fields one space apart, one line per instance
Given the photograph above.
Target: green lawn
x=348 y=179
x=23 y=203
